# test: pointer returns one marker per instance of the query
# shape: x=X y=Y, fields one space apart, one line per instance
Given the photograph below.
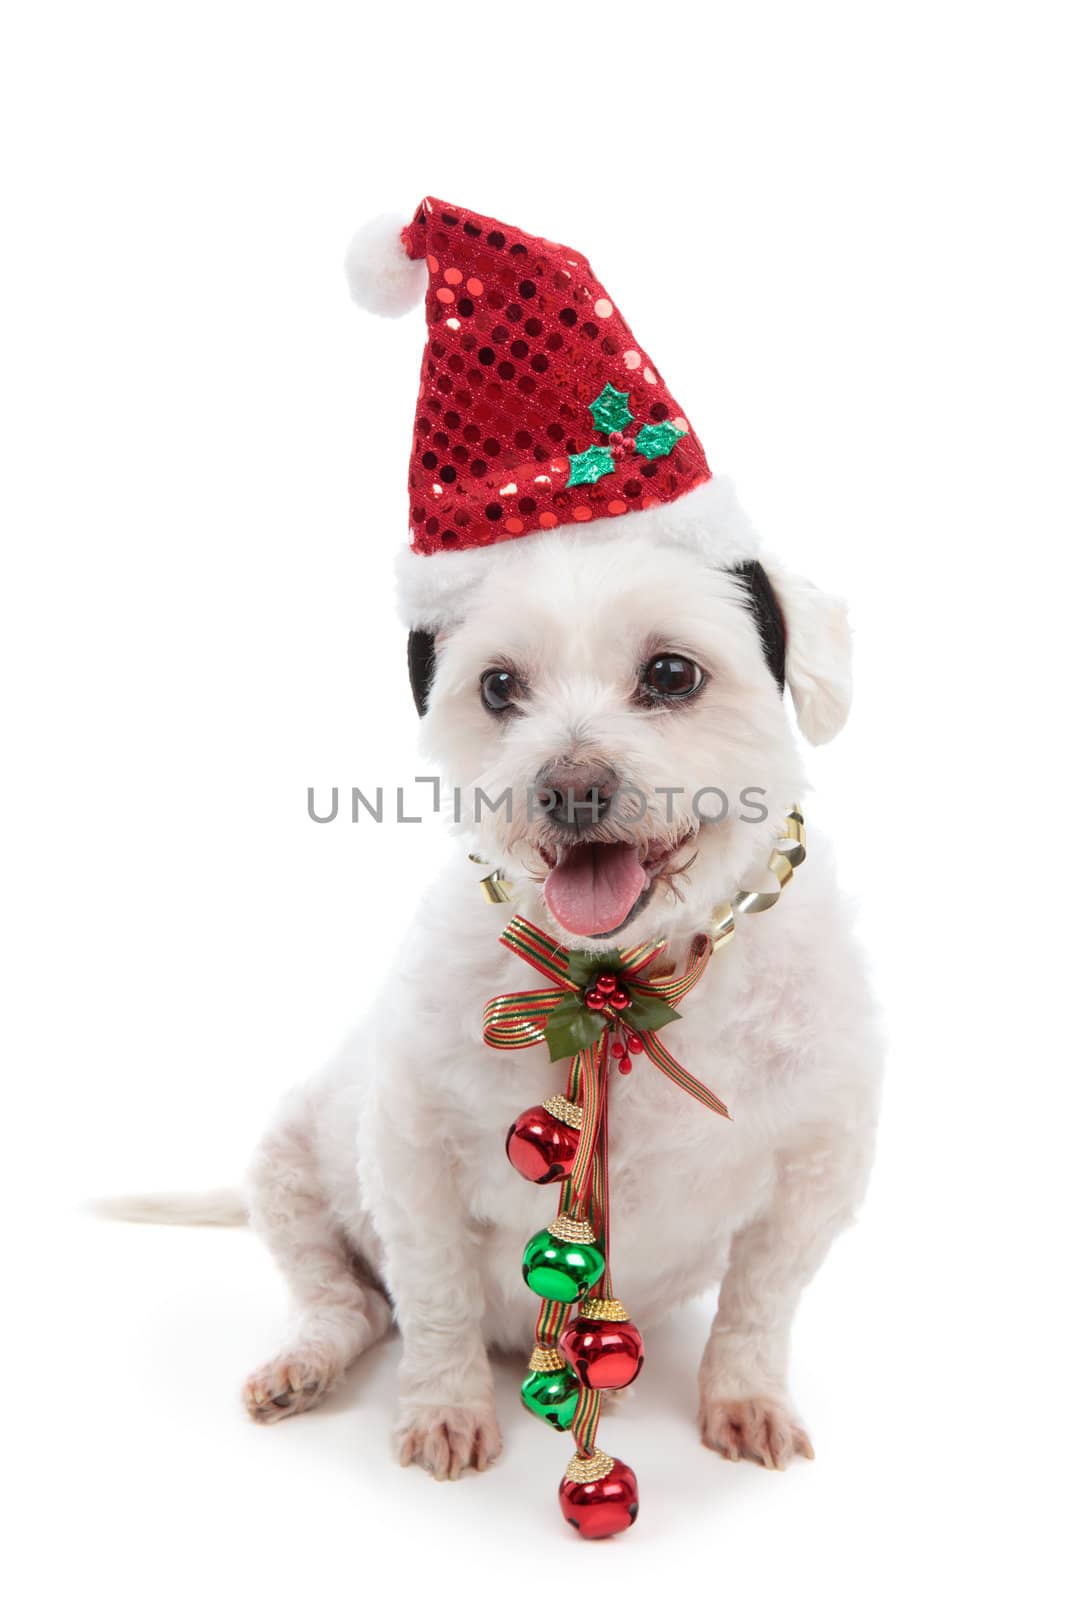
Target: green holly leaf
x=582 y=967
x=571 y=1027
x=592 y=464
x=646 y=1012
x=611 y=409
x=657 y=439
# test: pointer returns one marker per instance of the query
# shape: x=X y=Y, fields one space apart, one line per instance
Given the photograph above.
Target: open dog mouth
x=596 y=889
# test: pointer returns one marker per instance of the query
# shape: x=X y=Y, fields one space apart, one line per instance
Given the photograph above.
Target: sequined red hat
x=538 y=408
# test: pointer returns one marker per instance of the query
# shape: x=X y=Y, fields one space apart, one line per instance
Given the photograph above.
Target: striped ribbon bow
x=561 y=1017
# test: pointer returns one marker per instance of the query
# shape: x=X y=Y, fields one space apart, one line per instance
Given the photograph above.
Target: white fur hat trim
x=434 y=590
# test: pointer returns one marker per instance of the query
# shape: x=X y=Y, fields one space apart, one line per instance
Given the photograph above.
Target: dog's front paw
x=756 y=1429
x=447 y=1439
x=293 y=1382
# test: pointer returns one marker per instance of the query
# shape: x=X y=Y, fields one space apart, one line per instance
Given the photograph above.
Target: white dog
x=382 y=1189
x=637 y=654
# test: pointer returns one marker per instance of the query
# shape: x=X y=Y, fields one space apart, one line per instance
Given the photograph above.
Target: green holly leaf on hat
x=657 y=439
x=571 y=1027
x=591 y=465
x=611 y=409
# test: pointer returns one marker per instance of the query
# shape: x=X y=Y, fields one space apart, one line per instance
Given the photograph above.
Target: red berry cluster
x=634 y=1046
x=607 y=991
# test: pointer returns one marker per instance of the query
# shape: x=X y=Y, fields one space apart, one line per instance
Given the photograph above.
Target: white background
x=838 y=230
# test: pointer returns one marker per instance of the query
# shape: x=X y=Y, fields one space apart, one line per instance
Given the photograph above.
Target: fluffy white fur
x=433 y=591
x=382 y=1189
x=381 y=276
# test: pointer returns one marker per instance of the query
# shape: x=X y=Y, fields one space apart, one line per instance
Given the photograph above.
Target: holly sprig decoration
x=612 y=415
x=600 y=1001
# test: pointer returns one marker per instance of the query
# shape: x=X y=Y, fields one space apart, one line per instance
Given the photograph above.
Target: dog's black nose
x=577 y=795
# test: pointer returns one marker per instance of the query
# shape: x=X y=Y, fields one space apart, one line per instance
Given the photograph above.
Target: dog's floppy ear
x=818 y=653
x=766 y=614
x=421 y=662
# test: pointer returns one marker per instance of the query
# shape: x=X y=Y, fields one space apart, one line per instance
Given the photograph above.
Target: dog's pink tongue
x=594 y=886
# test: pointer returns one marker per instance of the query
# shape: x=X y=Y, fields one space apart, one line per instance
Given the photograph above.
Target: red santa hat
x=537 y=409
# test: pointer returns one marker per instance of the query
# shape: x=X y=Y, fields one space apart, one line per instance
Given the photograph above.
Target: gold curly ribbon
x=788 y=854
x=496 y=889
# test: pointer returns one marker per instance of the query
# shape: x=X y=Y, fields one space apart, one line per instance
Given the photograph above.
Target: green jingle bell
x=562 y=1262
x=550 y=1390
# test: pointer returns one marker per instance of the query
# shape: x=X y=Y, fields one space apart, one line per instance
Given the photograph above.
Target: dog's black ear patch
x=421 y=660
x=763 y=604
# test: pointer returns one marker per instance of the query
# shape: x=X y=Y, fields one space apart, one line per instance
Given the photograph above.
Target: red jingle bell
x=598 y=1495
x=543 y=1141
x=603 y=1346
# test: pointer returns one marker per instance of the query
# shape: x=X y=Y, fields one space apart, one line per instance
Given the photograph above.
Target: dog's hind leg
x=340 y=1310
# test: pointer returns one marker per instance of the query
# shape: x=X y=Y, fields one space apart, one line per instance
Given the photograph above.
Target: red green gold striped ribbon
x=591 y=1082
x=586 y=1418
x=514 y=1021
x=538 y=949
x=672 y=1068
x=599 y=1207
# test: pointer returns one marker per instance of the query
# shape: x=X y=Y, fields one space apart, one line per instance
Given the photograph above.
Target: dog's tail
x=213 y=1208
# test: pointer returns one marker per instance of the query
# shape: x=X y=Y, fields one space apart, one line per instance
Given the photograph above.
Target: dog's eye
x=670 y=678
x=500 y=689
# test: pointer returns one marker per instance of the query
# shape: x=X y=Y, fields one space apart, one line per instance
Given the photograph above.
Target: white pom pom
x=381 y=276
